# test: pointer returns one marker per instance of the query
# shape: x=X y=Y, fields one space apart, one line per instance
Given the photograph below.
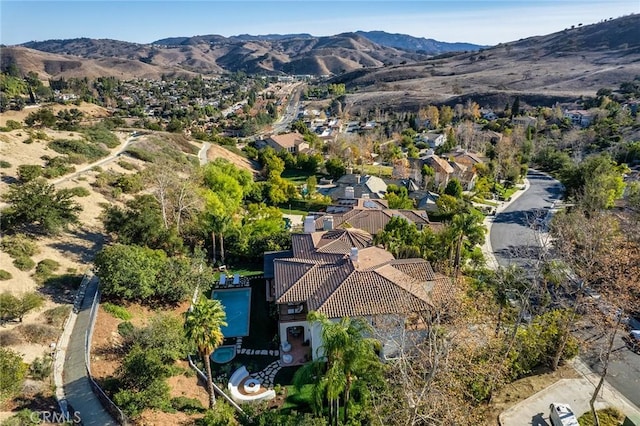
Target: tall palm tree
x=349 y=353
x=466 y=226
x=202 y=327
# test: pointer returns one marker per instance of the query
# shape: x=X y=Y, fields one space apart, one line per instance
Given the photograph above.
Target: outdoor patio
x=300 y=350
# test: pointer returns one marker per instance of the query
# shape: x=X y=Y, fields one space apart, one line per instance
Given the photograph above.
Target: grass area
x=486 y=202
x=298 y=177
x=379 y=170
x=608 y=417
x=298 y=400
x=285 y=210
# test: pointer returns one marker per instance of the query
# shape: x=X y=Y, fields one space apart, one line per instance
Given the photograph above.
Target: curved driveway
x=512 y=238
x=514 y=241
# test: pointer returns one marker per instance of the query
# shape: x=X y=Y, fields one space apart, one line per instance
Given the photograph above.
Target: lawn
x=298 y=177
x=298 y=400
x=378 y=170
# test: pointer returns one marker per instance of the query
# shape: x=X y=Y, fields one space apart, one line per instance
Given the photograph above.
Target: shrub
x=24 y=417
x=24 y=263
x=74 y=146
x=608 y=417
x=13 y=125
x=140 y=154
x=57 y=316
x=13 y=373
x=78 y=191
x=127 y=165
x=41 y=368
x=10 y=338
x=101 y=135
x=45 y=269
x=5 y=275
x=126 y=329
x=4 y=164
x=187 y=405
x=29 y=172
x=69 y=281
x=119 y=312
x=38 y=333
x=19 y=245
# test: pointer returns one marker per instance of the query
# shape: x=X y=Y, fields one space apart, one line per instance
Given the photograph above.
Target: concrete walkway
x=80 y=396
x=575 y=392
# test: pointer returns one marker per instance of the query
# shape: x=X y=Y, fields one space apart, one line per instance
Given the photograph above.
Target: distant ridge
x=417 y=44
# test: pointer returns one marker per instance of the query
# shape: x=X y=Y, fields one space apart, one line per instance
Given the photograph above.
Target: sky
x=484 y=22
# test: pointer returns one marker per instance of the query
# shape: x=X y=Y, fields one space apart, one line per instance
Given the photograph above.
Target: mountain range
x=376 y=66
x=211 y=54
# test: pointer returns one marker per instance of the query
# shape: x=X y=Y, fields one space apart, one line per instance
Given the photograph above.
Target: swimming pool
x=237 y=303
x=223 y=354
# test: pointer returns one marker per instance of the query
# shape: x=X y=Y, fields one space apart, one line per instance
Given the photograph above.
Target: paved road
x=76 y=383
x=512 y=238
x=291 y=111
x=514 y=241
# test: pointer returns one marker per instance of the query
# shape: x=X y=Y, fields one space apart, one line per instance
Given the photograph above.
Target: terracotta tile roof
x=376 y=283
x=373 y=221
x=287 y=140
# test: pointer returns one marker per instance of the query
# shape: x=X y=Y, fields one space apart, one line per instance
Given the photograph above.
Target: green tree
x=398 y=197
x=14 y=370
x=38 y=204
x=597 y=182
x=454 y=188
x=398 y=236
x=202 y=328
x=469 y=227
x=335 y=167
x=349 y=355
x=129 y=272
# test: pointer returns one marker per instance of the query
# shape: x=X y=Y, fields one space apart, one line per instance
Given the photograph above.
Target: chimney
x=353 y=254
x=309 y=224
x=349 y=193
x=349 y=170
x=365 y=196
x=327 y=223
x=357 y=179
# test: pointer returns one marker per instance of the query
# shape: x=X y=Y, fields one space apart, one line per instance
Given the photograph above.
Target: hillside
x=541 y=70
x=209 y=54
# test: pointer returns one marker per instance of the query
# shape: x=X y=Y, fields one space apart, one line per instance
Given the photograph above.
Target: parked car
x=633 y=340
x=562 y=415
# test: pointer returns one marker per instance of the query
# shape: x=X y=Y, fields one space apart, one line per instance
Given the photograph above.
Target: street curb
x=487 y=250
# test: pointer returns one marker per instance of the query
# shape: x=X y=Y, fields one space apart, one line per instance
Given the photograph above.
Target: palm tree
x=202 y=327
x=469 y=226
x=348 y=354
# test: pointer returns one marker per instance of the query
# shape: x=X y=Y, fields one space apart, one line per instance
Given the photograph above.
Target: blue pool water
x=237 y=303
x=223 y=354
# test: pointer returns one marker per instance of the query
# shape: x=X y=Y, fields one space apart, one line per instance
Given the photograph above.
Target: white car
x=562 y=415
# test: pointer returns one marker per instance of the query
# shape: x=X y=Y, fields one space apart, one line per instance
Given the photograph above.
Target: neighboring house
x=292 y=142
x=579 y=117
x=465 y=174
x=442 y=168
x=355 y=186
x=425 y=200
x=524 y=121
x=339 y=273
x=434 y=140
x=368 y=215
x=465 y=157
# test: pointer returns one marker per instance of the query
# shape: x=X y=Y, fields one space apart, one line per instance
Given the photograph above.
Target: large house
x=339 y=273
x=370 y=215
x=293 y=142
x=356 y=186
